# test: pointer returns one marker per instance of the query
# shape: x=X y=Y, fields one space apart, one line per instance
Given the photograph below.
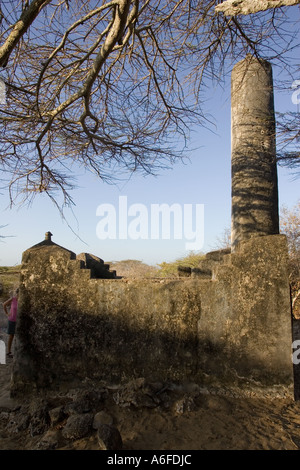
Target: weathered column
x=253 y=158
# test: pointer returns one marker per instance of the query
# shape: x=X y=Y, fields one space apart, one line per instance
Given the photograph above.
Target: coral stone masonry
x=233 y=329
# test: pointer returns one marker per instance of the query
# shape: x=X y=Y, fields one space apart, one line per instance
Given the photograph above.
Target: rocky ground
x=142 y=416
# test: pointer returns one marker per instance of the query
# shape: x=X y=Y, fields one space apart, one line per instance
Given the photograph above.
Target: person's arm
x=5 y=305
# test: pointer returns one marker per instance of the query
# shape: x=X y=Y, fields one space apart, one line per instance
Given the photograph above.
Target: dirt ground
x=214 y=422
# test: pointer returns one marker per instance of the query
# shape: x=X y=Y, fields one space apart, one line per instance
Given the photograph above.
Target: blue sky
x=204 y=179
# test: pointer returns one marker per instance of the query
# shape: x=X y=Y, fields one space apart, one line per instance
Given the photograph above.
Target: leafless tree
x=114 y=86
x=290 y=226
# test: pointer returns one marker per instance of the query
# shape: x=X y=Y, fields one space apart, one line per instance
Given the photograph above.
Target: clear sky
x=203 y=180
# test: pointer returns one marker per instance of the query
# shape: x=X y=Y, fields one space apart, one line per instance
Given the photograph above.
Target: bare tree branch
x=288 y=130
x=29 y=14
x=115 y=86
x=246 y=7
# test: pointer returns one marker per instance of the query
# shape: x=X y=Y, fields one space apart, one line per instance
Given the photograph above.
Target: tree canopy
x=115 y=85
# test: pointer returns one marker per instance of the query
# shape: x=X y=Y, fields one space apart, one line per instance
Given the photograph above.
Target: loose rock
x=78 y=426
x=49 y=440
x=109 y=438
x=102 y=418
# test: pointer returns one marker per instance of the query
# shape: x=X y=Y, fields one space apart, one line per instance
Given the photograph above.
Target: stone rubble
x=56 y=421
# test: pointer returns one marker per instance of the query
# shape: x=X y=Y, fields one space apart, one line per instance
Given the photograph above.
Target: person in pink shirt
x=12 y=318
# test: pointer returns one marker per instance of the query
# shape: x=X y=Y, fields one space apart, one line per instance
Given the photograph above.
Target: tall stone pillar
x=253 y=146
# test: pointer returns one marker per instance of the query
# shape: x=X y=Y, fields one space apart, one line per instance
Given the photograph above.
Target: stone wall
x=233 y=329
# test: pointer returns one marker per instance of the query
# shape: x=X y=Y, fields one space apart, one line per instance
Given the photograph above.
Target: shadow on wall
x=109 y=350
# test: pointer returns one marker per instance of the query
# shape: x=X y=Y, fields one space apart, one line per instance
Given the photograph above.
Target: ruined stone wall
x=235 y=327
